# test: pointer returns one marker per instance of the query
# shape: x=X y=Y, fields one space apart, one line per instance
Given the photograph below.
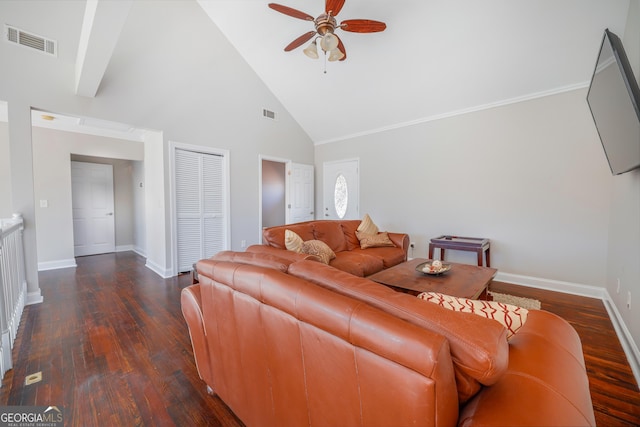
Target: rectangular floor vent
x=30 y=40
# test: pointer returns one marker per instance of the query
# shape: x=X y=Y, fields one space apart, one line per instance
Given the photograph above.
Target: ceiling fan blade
x=362 y=26
x=342 y=49
x=290 y=11
x=333 y=6
x=300 y=41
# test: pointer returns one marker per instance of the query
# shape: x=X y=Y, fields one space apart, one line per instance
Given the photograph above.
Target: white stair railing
x=13 y=285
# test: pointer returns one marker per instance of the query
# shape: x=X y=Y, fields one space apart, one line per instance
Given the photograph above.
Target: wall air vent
x=268 y=114
x=30 y=40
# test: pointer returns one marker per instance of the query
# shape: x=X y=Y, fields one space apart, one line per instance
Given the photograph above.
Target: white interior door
x=341 y=189
x=93 y=208
x=200 y=206
x=300 y=206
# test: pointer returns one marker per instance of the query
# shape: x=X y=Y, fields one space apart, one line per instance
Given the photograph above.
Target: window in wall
x=341 y=196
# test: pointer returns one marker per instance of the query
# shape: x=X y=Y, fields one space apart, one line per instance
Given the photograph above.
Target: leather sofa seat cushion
x=389 y=256
x=331 y=233
x=357 y=263
x=479 y=346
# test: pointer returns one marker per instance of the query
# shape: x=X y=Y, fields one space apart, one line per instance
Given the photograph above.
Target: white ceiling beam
x=101 y=27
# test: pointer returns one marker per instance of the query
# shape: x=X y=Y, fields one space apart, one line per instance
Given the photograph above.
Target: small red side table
x=473 y=244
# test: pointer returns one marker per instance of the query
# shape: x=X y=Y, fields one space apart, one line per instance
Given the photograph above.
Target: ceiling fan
x=326 y=25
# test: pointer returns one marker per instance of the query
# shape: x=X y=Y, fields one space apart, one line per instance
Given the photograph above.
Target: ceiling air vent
x=268 y=114
x=30 y=40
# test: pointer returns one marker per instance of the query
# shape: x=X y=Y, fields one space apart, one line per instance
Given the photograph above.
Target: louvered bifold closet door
x=213 y=211
x=199 y=206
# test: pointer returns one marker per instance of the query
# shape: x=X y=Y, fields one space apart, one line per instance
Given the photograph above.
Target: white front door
x=300 y=205
x=341 y=192
x=93 y=210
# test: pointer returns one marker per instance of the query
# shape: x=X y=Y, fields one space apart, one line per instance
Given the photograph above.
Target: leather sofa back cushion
x=400 y=374
x=339 y=235
x=274 y=236
x=479 y=347
x=349 y=230
x=331 y=233
x=205 y=266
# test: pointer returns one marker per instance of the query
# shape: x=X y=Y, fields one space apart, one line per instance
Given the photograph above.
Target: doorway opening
x=274 y=185
x=286 y=193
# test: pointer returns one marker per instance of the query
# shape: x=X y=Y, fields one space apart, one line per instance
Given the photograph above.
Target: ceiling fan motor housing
x=325 y=24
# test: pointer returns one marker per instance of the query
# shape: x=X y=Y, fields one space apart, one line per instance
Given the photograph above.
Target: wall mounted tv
x=614 y=100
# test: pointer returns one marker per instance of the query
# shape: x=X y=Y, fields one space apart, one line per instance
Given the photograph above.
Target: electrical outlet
x=618 y=288
x=629 y=300
x=243 y=243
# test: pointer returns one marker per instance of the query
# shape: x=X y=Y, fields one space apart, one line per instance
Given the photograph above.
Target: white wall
x=171 y=71
x=530 y=176
x=139 y=228
x=624 y=227
x=5 y=172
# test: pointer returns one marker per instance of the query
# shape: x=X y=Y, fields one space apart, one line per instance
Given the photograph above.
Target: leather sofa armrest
x=191 y=304
x=401 y=240
x=546 y=366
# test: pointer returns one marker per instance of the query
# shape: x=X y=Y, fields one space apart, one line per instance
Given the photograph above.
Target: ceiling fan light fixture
x=325 y=26
x=335 y=55
x=312 y=50
x=329 y=42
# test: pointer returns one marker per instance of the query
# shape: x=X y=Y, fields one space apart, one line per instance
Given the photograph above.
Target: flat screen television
x=614 y=100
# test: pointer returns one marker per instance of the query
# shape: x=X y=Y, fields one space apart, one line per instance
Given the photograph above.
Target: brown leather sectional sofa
x=296 y=342
x=340 y=236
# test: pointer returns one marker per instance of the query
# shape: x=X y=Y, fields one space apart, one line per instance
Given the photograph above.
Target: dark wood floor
x=114 y=349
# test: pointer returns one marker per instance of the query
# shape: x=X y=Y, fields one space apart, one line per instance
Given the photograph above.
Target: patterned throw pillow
x=319 y=249
x=374 y=240
x=292 y=241
x=510 y=316
x=367 y=226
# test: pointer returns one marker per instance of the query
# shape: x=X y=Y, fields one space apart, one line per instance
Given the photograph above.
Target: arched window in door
x=341 y=196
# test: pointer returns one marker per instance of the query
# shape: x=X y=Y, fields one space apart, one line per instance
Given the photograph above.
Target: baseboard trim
x=124 y=248
x=140 y=251
x=629 y=346
x=34 y=298
x=54 y=265
x=553 y=285
x=626 y=340
x=159 y=270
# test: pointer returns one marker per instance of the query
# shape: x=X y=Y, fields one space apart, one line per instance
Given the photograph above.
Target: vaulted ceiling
x=435 y=59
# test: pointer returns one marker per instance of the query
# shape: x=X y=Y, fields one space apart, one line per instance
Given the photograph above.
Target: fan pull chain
x=325 y=62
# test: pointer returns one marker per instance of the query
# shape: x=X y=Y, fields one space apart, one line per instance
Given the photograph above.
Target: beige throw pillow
x=370 y=236
x=292 y=241
x=374 y=240
x=319 y=249
x=367 y=226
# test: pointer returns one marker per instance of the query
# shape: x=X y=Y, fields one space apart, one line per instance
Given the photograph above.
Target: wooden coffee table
x=463 y=280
